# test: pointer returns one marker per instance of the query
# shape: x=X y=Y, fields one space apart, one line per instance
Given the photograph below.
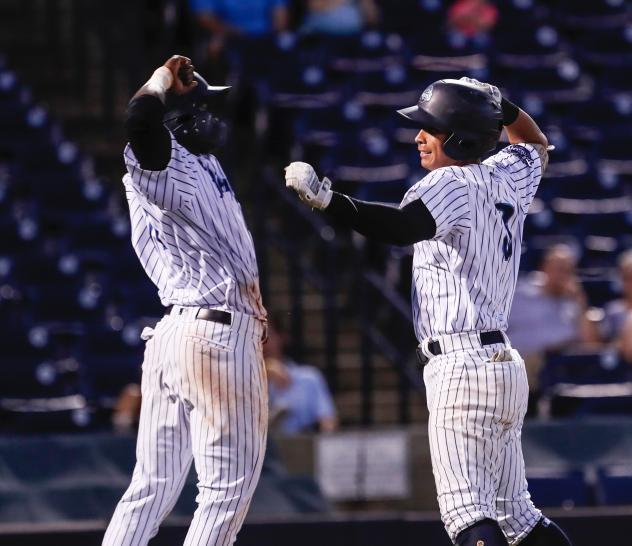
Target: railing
x=312 y=251
x=387 y=328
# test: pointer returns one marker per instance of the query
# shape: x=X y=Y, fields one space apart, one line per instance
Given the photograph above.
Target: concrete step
x=386 y=378
x=385 y=408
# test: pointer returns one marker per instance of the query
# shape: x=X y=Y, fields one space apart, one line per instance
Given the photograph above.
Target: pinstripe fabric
x=204 y=389
x=204 y=399
x=477 y=408
x=189 y=233
x=462 y=280
x=463 y=283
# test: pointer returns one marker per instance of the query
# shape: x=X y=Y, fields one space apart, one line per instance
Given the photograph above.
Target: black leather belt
x=214 y=315
x=487 y=338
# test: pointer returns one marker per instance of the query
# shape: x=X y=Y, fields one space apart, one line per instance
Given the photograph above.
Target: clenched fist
x=302 y=178
x=181 y=70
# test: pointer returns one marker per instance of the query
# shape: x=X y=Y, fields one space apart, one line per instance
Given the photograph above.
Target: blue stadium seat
x=608 y=48
x=526 y=45
x=564 y=487
x=614 y=485
x=561 y=83
x=583 y=368
x=585 y=384
x=405 y=15
x=591 y=14
x=601 y=289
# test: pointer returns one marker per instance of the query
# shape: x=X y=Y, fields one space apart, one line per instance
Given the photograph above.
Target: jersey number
x=507 y=211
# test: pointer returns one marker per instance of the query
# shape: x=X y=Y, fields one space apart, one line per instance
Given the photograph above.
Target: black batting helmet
x=469 y=115
x=193 y=117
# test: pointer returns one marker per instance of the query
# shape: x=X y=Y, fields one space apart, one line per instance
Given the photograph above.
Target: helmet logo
x=425 y=96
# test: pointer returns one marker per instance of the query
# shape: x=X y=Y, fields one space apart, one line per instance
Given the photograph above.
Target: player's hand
x=302 y=178
x=182 y=70
x=488 y=87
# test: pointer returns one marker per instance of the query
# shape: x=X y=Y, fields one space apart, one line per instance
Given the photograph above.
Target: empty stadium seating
x=329 y=101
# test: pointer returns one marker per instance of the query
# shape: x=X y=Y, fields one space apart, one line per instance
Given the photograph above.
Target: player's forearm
x=382 y=222
x=522 y=128
x=146 y=133
x=158 y=85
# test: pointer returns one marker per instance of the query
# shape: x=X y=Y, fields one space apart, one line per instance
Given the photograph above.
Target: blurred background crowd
x=318 y=81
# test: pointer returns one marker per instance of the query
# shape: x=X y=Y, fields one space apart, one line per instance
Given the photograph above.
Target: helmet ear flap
x=461 y=148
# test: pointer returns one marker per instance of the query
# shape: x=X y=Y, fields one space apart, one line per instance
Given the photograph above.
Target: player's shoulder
x=517 y=156
x=179 y=156
x=445 y=175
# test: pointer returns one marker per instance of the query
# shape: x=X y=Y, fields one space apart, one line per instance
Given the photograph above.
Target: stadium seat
x=590 y=14
x=584 y=368
x=614 y=485
x=584 y=384
x=563 y=487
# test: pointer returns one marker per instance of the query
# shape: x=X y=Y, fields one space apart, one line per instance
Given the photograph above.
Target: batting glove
x=302 y=178
x=488 y=87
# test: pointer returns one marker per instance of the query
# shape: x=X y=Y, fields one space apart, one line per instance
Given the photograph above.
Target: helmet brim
x=217 y=88
x=422 y=118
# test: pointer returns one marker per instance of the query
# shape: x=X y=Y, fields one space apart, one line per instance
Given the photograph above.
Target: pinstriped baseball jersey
x=464 y=278
x=203 y=387
x=189 y=233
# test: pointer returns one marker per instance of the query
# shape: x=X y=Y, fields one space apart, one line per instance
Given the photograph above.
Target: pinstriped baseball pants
x=204 y=399
x=477 y=409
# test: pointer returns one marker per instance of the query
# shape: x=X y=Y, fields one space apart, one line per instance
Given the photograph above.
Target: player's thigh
x=227 y=388
x=163 y=423
x=517 y=514
x=464 y=434
x=223 y=375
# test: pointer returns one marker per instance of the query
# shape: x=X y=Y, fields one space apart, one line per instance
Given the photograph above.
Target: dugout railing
x=329 y=260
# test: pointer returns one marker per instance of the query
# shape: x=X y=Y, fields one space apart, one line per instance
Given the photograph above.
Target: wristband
x=510 y=111
x=160 y=82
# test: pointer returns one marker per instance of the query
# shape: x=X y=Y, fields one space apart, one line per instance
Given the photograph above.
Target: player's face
x=430 y=146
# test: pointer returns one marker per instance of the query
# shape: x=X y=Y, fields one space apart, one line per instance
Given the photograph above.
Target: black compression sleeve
x=147 y=135
x=381 y=222
x=510 y=111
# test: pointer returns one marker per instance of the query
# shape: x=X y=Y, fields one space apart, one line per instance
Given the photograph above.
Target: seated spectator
x=617 y=311
x=471 y=20
x=625 y=338
x=220 y=20
x=339 y=17
x=127 y=409
x=244 y=18
x=299 y=399
x=550 y=311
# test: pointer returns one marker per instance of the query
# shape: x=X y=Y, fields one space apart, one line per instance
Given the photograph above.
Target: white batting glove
x=302 y=178
x=488 y=87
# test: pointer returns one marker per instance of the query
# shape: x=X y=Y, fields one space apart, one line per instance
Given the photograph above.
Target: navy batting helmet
x=470 y=116
x=193 y=117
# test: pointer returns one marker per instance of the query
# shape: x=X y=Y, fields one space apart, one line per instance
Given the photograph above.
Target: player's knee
x=485 y=532
x=546 y=533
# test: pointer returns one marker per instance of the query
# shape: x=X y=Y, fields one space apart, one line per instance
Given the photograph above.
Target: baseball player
x=465 y=220
x=204 y=396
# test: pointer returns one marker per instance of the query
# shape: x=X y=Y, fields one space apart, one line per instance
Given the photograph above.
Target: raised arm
x=146 y=133
x=520 y=127
x=381 y=222
x=385 y=223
